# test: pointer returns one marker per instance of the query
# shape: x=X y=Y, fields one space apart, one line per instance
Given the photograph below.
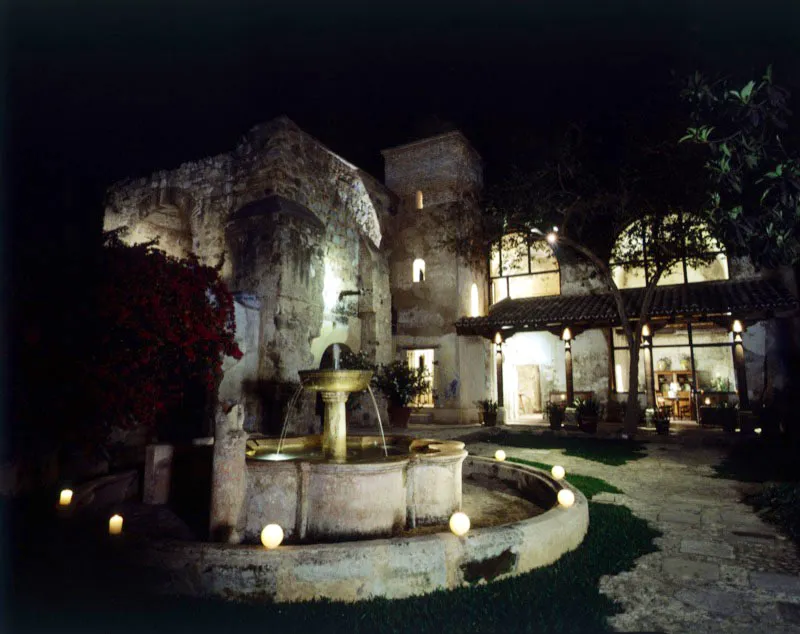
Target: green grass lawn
x=587 y=485
x=563 y=597
x=607 y=451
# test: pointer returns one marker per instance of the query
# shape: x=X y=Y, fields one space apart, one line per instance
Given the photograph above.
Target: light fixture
x=737 y=338
x=707 y=401
x=500 y=455
x=558 y=472
x=737 y=326
x=65 y=499
x=271 y=536
x=566 y=498
x=459 y=524
x=555 y=229
x=498 y=339
x=567 y=334
x=757 y=430
x=645 y=331
x=551 y=237
x=115 y=525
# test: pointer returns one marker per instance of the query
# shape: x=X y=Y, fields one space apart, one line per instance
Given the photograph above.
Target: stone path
x=719 y=567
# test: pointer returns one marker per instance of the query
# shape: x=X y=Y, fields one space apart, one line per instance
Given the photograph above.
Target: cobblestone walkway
x=720 y=568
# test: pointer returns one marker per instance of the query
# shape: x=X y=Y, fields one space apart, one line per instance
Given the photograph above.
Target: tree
x=157 y=329
x=588 y=207
x=753 y=176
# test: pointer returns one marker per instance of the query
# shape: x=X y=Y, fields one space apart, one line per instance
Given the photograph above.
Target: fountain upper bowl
x=335 y=380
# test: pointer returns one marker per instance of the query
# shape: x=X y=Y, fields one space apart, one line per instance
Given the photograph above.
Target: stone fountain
x=332 y=486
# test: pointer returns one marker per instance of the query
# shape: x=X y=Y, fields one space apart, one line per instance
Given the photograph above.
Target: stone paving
x=719 y=567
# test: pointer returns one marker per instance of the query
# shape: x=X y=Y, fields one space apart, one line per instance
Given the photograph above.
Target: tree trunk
x=632 y=409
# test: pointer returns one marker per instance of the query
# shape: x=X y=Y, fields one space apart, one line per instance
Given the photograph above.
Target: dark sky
x=100 y=90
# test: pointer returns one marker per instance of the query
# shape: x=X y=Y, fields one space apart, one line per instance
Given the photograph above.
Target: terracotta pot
x=399 y=415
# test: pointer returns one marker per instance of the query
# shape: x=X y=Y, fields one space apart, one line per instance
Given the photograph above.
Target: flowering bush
x=401 y=383
x=161 y=328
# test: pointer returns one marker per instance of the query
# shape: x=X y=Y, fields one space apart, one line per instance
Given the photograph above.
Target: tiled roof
x=747 y=298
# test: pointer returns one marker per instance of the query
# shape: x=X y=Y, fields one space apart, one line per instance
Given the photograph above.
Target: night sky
x=98 y=91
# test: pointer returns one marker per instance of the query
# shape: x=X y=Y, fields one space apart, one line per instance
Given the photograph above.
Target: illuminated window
x=634 y=268
x=419 y=270
x=474 y=304
x=419 y=200
x=521 y=267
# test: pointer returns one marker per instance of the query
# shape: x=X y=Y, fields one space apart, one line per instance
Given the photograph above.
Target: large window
x=635 y=268
x=521 y=267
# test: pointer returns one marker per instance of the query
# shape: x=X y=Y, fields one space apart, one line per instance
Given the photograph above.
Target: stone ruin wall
x=281 y=311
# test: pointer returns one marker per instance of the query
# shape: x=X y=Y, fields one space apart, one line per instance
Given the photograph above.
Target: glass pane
x=542 y=258
x=628 y=276
x=716 y=270
x=538 y=285
x=673 y=276
x=499 y=289
x=715 y=369
x=515 y=254
x=671 y=335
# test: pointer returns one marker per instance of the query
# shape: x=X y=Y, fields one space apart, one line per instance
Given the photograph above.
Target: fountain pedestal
x=334 y=430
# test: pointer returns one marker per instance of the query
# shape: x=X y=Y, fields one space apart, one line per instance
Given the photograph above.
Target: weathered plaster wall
x=278 y=187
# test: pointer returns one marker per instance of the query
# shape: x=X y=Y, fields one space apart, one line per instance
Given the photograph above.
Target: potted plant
x=661 y=420
x=489 y=410
x=401 y=384
x=588 y=413
x=555 y=415
x=686 y=362
x=663 y=364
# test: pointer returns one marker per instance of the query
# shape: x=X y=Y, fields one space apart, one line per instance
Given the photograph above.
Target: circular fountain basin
x=392 y=568
x=335 y=380
x=365 y=495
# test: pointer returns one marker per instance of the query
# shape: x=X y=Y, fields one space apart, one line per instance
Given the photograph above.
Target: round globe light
x=500 y=455
x=271 y=536
x=459 y=523
x=566 y=498
x=558 y=472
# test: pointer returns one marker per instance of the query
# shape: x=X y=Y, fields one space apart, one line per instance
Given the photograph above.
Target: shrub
x=401 y=383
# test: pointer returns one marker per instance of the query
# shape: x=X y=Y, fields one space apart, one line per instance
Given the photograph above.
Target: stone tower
x=438 y=182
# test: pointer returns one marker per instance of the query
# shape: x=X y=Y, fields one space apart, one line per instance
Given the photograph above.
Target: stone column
x=501 y=410
x=157 y=474
x=741 y=372
x=228 y=475
x=568 y=372
x=334 y=432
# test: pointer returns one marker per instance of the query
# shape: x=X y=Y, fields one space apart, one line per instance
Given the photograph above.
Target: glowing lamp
x=645 y=331
x=757 y=430
x=707 y=401
x=115 y=525
x=498 y=338
x=271 y=536
x=567 y=334
x=65 y=499
x=558 y=472
x=500 y=455
x=459 y=524
x=551 y=237
x=737 y=326
x=566 y=498
x=737 y=337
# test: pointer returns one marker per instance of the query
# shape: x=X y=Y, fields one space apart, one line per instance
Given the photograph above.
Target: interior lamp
x=737 y=327
x=271 y=536
x=551 y=237
x=115 y=525
x=459 y=524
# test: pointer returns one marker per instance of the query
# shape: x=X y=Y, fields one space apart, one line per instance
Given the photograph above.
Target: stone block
x=157 y=474
x=690 y=569
x=776 y=582
x=717 y=601
x=719 y=550
x=679 y=517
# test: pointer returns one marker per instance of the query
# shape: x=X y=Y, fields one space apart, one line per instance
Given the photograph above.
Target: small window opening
x=419 y=199
x=419 y=270
x=474 y=303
